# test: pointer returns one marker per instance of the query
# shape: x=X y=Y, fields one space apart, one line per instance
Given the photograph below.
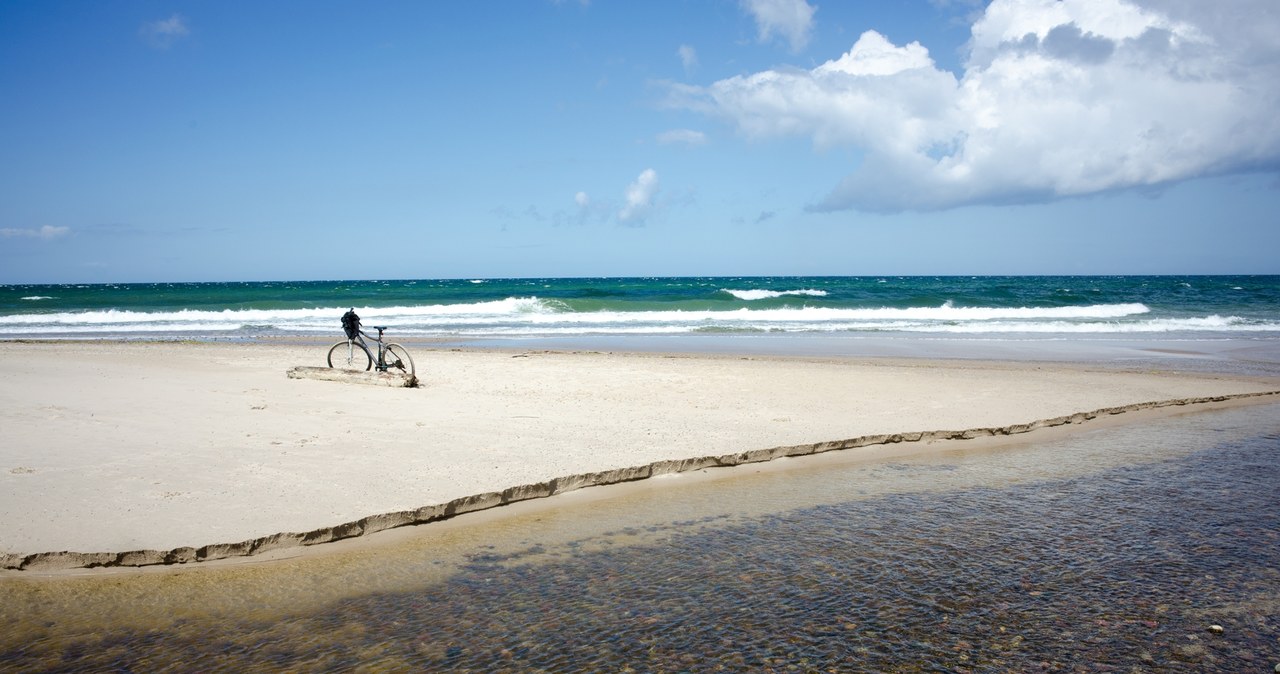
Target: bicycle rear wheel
x=350 y=356
x=397 y=359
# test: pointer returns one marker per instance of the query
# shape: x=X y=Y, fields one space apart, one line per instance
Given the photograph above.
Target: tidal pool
x=1148 y=546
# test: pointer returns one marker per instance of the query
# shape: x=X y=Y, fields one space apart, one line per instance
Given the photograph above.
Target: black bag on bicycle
x=351 y=324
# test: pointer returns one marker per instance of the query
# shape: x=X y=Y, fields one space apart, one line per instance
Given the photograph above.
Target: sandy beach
x=148 y=453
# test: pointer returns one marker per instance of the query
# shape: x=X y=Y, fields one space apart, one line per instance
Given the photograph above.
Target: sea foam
x=757 y=294
x=531 y=316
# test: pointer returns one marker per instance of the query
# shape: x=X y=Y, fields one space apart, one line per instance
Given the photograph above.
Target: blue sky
x=192 y=141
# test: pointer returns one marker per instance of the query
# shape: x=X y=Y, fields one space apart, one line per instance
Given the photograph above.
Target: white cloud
x=46 y=232
x=1057 y=98
x=688 y=57
x=873 y=54
x=582 y=200
x=639 y=198
x=163 y=33
x=789 y=19
x=682 y=137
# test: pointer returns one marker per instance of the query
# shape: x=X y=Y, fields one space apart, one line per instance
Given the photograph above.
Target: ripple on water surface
x=1108 y=551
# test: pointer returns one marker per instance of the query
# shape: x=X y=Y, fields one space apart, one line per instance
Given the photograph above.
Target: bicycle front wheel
x=397 y=359
x=351 y=356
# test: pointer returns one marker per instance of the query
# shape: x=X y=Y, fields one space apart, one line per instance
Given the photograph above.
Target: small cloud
x=688 y=57
x=586 y=210
x=765 y=215
x=789 y=19
x=682 y=137
x=639 y=198
x=164 y=33
x=48 y=232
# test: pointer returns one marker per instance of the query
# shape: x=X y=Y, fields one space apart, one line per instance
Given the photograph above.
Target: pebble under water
x=1151 y=547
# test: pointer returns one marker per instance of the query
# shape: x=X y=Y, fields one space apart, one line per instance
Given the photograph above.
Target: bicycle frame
x=381 y=363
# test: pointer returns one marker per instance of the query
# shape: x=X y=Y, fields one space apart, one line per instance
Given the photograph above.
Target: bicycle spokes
x=350 y=355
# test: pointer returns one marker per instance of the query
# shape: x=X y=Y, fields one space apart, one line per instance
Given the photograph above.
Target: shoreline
x=483 y=389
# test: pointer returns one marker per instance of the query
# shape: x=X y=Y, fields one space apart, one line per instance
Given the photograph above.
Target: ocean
x=997 y=307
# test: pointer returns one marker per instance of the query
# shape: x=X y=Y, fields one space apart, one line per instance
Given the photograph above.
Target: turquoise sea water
x=1186 y=306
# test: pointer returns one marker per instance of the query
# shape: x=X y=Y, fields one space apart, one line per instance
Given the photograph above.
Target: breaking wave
x=750 y=295
x=532 y=316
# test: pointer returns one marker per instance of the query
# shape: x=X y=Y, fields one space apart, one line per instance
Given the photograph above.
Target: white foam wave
x=512 y=305
x=756 y=294
x=36 y=298
x=1201 y=324
x=535 y=316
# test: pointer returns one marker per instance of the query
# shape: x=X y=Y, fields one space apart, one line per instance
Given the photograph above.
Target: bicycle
x=353 y=354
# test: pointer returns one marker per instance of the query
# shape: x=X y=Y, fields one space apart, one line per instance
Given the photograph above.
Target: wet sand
x=1117 y=545
x=150 y=453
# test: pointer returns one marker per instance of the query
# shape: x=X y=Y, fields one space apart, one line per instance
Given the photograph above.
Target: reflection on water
x=1114 y=550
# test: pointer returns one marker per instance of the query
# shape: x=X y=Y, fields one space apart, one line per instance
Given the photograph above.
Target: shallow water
x=1111 y=550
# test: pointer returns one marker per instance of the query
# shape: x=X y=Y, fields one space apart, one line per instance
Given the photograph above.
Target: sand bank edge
x=64 y=560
